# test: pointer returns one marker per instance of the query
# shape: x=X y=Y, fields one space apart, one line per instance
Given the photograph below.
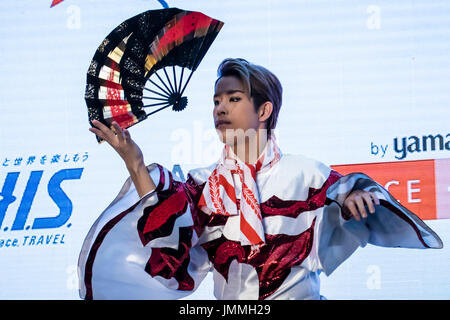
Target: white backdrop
x=355 y=74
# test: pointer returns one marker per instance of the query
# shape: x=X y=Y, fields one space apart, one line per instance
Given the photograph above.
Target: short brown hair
x=259 y=83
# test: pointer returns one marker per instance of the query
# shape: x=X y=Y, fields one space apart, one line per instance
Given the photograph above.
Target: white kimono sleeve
x=392 y=225
x=144 y=248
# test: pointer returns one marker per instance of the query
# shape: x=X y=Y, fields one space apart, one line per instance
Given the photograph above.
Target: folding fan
x=139 y=68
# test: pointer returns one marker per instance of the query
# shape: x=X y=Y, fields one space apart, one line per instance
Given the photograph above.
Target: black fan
x=150 y=53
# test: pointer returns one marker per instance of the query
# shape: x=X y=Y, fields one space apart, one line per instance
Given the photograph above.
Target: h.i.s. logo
x=34 y=202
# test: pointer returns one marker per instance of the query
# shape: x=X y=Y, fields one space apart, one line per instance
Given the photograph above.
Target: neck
x=249 y=147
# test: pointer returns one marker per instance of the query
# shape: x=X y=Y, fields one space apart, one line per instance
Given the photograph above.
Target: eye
x=216 y=102
x=235 y=99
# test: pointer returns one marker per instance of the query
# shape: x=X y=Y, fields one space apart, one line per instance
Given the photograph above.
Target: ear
x=265 y=110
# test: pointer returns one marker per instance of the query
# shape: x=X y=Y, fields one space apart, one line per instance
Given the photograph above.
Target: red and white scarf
x=232 y=178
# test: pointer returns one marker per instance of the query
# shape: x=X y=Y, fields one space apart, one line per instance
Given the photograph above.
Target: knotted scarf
x=231 y=190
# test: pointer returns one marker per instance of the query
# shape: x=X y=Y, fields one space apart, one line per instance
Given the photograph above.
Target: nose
x=220 y=108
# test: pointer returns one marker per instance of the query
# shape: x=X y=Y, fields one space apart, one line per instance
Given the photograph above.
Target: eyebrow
x=228 y=92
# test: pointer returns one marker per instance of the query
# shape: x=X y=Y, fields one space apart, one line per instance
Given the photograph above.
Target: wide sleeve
x=392 y=225
x=145 y=248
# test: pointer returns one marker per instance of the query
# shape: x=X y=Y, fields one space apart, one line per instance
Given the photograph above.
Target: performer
x=265 y=223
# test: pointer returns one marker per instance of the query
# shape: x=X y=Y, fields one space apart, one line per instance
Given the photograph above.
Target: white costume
x=162 y=245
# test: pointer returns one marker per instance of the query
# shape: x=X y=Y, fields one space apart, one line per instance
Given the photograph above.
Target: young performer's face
x=234 y=111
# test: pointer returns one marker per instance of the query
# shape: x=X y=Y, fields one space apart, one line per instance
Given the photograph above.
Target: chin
x=221 y=132
x=233 y=136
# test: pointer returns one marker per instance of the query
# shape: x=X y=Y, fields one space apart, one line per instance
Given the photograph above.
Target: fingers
x=115 y=135
x=126 y=134
x=368 y=198
x=98 y=132
x=360 y=204
x=355 y=203
x=375 y=198
x=100 y=125
x=119 y=132
x=352 y=208
x=102 y=131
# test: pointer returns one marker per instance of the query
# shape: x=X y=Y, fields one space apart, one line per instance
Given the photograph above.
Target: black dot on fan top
x=177 y=101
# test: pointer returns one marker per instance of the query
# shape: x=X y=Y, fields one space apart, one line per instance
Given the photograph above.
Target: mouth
x=221 y=123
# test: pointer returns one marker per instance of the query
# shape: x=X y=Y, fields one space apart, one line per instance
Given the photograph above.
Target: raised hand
x=354 y=204
x=120 y=140
x=129 y=151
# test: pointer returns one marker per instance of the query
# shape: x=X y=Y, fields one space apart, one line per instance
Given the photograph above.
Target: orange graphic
x=422 y=186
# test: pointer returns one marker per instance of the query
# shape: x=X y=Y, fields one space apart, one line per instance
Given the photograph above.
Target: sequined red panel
x=158 y=220
x=222 y=252
x=275 y=259
x=272 y=263
x=292 y=208
x=173 y=263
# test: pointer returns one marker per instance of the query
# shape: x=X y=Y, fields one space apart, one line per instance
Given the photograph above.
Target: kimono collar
x=231 y=190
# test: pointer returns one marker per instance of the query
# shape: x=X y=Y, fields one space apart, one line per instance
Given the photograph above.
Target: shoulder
x=297 y=166
x=293 y=177
x=305 y=161
x=310 y=170
x=200 y=175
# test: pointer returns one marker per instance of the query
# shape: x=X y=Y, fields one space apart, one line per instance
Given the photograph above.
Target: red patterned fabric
x=293 y=208
x=272 y=263
x=173 y=263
